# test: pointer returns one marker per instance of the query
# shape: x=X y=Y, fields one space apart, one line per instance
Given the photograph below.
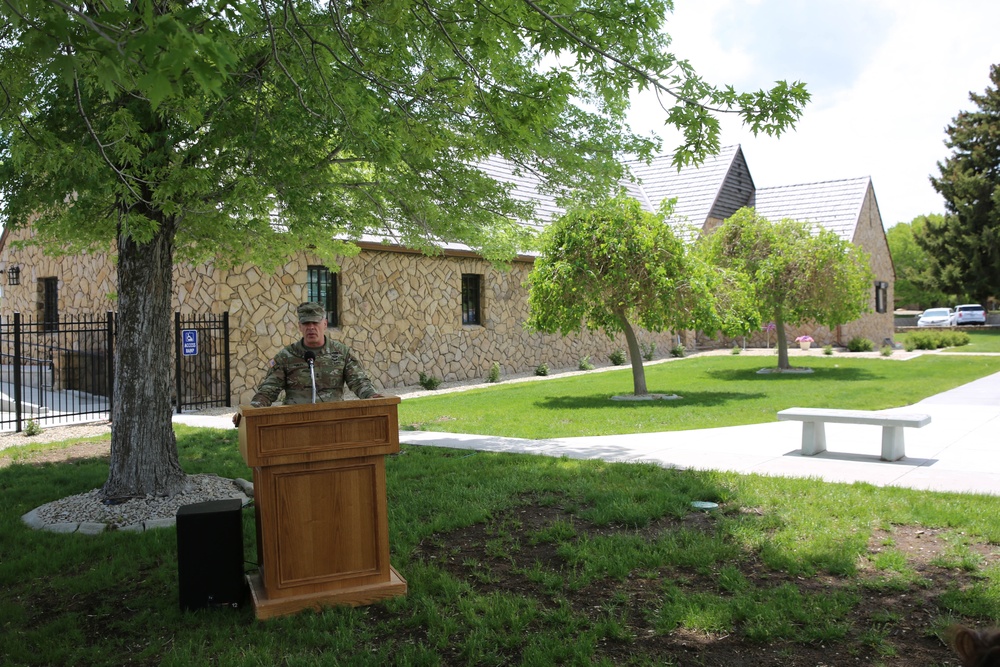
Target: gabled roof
x=700 y=191
x=713 y=190
x=834 y=205
x=716 y=188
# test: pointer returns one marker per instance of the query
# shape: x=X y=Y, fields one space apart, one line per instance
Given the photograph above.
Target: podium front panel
x=324 y=525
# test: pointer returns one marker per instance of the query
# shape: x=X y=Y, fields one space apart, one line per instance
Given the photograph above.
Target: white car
x=969 y=313
x=935 y=317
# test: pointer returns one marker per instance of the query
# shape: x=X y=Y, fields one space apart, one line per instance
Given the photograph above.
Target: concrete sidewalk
x=958 y=451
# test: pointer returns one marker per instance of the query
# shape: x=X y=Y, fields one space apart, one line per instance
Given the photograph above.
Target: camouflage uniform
x=335 y=366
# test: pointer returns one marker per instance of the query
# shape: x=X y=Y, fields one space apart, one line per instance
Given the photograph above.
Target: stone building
x=454 y=315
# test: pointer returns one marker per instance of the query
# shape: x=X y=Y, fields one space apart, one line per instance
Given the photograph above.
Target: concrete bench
x=814 y=435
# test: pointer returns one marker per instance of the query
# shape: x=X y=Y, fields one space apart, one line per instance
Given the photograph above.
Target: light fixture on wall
x=14 y=275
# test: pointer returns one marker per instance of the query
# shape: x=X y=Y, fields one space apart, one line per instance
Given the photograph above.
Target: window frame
x=881 y=296
x=49 y=302
x=323 y=287
x=472 y=299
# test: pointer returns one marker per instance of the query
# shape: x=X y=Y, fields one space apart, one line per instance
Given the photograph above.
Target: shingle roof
x=714 y=189
x=835 y=205
x=696 y=188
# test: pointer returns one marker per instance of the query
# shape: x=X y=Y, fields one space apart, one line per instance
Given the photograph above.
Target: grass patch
x=715 y=391
x=980 y=340
x=519 y=559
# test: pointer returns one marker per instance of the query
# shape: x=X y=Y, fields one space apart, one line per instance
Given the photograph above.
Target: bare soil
x=471 y=555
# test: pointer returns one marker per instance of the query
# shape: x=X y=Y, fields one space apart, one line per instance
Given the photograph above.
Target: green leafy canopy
x=263 y=127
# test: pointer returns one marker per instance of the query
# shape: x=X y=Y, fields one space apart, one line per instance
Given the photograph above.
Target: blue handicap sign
x=189 y=342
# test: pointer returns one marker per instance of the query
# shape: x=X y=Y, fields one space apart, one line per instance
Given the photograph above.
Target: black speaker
x=210 y=554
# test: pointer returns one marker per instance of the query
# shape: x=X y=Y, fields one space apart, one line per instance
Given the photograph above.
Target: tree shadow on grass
x=687 y=400
x=818 y=375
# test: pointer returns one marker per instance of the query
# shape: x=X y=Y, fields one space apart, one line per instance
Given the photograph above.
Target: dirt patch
x=71 y=454
x=889 y=625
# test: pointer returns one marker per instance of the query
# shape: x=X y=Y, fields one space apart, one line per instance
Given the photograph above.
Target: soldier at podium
x=313 y=369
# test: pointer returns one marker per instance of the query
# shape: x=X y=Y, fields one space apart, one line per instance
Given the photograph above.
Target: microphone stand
x=311 y=358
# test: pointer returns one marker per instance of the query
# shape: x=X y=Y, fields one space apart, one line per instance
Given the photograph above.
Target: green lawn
x=980 y=340
x=532 y=560
x=715 y=391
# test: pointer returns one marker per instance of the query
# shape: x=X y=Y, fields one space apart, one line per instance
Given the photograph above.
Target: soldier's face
x=313 y=333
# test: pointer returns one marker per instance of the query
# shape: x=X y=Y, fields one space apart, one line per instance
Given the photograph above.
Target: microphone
x=310 y=358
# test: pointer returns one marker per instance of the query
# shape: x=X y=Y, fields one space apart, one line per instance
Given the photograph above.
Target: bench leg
x=893 y=448
x=813 y=438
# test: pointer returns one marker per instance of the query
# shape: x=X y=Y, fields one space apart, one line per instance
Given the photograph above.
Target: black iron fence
x=57 y=373
x=201 y=361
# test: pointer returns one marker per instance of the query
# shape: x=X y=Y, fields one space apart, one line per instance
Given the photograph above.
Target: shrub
x=828 y=350
x=886 y=350
x=542 y=369
x=736 y=350
x=617 y=357
x=677 y=350
x=494 y=375
x=429 y=382
x=585 y=364
x=32 y=428
x=648 y=350
x=859 y=344
x=932 y=340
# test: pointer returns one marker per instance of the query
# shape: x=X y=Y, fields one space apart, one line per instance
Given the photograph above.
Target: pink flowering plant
x=804 y=339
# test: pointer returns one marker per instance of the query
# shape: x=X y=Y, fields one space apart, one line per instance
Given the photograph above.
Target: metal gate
x=61 y=372
x=201 y=361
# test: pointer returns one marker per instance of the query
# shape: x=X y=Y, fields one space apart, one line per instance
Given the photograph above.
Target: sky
x=886 y=78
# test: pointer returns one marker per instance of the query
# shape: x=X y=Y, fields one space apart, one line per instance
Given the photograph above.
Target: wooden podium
x=320 y=496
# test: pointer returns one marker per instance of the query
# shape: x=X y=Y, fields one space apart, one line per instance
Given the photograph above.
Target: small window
x=471 y=311
x=323 y=290
x=881 y=296
x=49 y=288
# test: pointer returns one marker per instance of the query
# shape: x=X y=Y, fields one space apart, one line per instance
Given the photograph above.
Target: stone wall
x=400 y=311
x=401 y=314
x=870 y=235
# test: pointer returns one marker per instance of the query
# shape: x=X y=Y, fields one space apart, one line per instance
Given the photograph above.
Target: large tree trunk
x=635 y=355
x=143 y=447
x=779 y=331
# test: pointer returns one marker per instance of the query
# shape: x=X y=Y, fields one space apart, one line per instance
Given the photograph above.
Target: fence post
x=177 y=359
x=109 y=337
x=16 y=375
x=225 y=347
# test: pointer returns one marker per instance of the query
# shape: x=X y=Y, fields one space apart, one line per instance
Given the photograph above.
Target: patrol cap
x=311 y=312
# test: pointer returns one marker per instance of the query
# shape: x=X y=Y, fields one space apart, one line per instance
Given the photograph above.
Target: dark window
x=323 y=290
x=471 y=311
x=50 y=304
x=881 y=296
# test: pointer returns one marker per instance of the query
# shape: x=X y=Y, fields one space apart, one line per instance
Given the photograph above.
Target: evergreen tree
x=963 y=250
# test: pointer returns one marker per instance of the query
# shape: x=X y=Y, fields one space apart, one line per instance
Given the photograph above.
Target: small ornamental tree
x=794 y=272
x=613 y=267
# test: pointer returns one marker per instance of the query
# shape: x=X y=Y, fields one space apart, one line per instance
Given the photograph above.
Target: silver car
x=935 y=317
x=969 y=313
